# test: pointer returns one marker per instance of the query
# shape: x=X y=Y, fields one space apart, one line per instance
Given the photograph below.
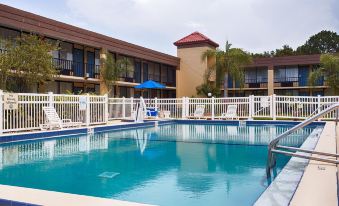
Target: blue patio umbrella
x=150 y=84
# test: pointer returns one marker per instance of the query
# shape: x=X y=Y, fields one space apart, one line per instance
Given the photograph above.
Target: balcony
x=72 y=68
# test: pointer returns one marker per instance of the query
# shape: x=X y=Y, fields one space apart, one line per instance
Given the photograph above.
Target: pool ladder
x=273 y=146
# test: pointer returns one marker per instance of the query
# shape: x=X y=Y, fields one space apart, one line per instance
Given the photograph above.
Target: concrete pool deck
x=319 y=184
x=307 y=182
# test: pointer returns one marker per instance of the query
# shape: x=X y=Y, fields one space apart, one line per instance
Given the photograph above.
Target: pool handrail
x=272 y=146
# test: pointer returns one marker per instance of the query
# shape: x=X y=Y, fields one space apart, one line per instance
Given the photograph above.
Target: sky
x=253 y=25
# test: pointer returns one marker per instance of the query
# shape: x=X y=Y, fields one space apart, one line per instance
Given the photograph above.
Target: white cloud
x=255 y=25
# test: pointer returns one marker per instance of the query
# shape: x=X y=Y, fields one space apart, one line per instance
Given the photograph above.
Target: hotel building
x=81 y=52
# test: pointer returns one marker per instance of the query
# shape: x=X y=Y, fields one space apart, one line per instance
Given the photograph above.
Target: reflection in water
x=177 y=164
x=50 y=149
x=230 y=134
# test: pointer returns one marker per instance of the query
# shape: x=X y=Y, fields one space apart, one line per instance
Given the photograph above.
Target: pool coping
x=22 y=196
x=283 y=189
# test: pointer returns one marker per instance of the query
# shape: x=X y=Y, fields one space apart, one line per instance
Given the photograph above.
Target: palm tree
x=113 y=70
x=229 y=62
x=329 y=70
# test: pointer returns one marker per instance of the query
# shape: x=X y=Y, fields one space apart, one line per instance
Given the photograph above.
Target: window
x=124 y=92
x=66 y=87
x=97 y=57
x=53 y=86
x=54 y=53
x=7 y=35
x=286 y=74
x=66 y=51
x=171 y=76
x=137 y=71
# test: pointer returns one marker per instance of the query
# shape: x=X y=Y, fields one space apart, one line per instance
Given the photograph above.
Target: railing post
x=106 y=108
x=273 y=107
x=123 y=107
x=212 y=108
x=132 y=109
x=318 y=103
x=1 y=112
x=183 y=109
x=187 y=106
x=251 y=107
x=156 y=103
x=50 y=99
x=88 y=110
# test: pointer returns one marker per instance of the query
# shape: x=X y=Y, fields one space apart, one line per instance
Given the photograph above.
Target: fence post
x=251 y=107
x=156 y=103
x=50 y=99
x=274 y=107
x=106 y=108
x=132 y=109
x=187 y=106
x=123 y=107
x=88 y=110
x=212 y=108
x=1 y=112
x=183 y=109
x=319 y=103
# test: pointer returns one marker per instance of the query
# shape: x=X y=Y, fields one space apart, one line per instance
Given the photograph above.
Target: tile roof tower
x=192 y=67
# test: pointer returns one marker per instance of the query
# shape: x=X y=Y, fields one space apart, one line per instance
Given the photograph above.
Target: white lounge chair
x=198 y=113
x=231 y=113
x=53 y=120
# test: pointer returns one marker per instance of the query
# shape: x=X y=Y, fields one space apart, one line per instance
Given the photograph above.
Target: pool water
x=176 y=164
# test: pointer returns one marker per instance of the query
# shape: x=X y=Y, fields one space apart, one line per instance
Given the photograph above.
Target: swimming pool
x=174 y=164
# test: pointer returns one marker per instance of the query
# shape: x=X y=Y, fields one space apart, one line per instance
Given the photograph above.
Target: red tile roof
x=195 y=38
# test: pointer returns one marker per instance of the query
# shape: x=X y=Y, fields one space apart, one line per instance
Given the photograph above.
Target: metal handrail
x=273 y=144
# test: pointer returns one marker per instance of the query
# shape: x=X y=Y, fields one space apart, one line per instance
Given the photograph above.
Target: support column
x=103 y=57
x=270 y=80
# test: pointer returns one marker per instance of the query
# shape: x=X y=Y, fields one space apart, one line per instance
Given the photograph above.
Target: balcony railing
x=257 y=80
x=72 y=68
x=286 y=79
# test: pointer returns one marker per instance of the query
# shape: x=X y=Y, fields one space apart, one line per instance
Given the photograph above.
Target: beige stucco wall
x=192 y=70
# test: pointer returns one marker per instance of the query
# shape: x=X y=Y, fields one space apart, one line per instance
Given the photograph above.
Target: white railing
x=28 y=114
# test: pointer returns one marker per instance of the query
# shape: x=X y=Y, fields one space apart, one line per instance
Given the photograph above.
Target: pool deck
x=319 y=184
x=307 y=182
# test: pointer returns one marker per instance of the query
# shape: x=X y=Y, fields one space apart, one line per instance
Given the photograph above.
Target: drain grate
x=109 y=175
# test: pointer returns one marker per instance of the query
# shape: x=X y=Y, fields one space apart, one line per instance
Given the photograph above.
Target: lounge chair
x=231 y=113
x=53 y=120
x=198 y=113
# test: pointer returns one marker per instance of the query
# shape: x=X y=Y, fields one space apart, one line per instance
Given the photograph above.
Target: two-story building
x=81 y=51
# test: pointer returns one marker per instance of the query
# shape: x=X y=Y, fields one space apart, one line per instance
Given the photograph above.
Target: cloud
x=255 y=25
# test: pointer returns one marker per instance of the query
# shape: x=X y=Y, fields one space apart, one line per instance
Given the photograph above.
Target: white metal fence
x=28 y=114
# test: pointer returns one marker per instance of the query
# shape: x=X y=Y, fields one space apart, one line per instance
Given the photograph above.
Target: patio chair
x=231 y=113
x=151 y=112
x=53 y=120
x=198 y=113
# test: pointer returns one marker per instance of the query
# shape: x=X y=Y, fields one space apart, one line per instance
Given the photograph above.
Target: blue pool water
x=176 y=164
